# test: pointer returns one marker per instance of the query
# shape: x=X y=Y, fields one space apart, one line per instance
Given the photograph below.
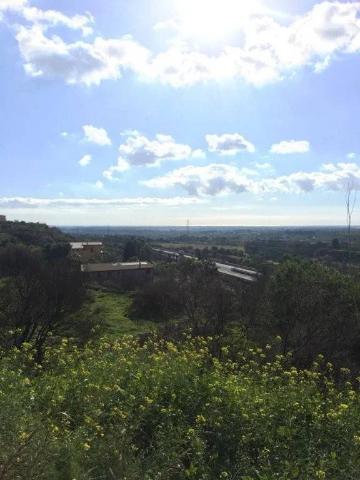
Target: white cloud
x=99 y=136
x=269 y=51
x=212 y=179
x=322 y=65
x=78 y=62
x=112 y=172
x=290 y=146
x=215 y=179
x=182 y=66
x=54 y=18
x=198 y=153
x=351 y=155
x=47 y=18
x=31 y=203
x=99 y=184
x=12 y=5
x=85 y=160
x=266 y=50
x=331 y=177
x=139 y=150
x=229 y=144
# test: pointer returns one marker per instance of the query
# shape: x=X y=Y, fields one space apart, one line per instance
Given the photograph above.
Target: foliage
x=158 y=300
x=32 y=235
x=135 y=249
x=167 y=411
x=315 y=309
x=37 y=296
x=191 y=292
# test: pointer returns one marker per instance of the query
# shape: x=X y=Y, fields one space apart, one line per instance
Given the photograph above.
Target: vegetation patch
x=113 y=311
x=170 y=411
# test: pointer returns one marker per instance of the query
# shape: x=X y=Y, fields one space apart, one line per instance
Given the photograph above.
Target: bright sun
x=214 y=20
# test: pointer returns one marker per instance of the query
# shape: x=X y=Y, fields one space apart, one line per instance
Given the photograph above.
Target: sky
x=156 y=112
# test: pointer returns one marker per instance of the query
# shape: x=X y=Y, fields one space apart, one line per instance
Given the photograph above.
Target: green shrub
x=121 y=410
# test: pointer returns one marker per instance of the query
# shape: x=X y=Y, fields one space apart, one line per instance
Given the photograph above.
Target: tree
x=191 y=294
x=136 y=249
x=335 y=244
x=130 y=250
x=158 y=300
x=206 y=302
x=315 y=309
x=36 y=296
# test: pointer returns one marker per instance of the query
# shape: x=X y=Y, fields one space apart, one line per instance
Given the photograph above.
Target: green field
x=112 y=309
x=184 y=246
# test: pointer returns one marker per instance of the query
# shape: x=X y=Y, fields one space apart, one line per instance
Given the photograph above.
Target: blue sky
x=150 y=113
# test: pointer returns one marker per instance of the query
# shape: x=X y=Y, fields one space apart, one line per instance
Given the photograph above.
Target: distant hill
x=31 y=235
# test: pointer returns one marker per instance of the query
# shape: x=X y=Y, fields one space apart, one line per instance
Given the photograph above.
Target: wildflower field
x=121 y=410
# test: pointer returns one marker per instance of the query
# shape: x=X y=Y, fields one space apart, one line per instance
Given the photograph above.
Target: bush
x=315 y=309
x=167 y=411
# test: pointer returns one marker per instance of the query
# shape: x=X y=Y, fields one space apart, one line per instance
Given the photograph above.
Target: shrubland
x=315 y=309
x=164 y=410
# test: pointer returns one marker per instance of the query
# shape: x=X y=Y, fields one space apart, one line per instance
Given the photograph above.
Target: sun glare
x=214 y=20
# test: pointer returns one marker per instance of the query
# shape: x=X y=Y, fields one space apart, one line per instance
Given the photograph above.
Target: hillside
x=30 y=235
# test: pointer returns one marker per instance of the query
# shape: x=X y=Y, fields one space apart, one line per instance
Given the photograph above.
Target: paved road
x=237 y=272
x=242 y=274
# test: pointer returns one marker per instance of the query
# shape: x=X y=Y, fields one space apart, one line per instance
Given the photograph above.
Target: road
x=243 y=274
x=237 y=272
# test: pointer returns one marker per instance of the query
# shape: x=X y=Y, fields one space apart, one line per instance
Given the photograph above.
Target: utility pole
x=350 y=202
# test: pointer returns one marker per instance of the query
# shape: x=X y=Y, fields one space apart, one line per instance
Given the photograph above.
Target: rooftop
x=81 y=245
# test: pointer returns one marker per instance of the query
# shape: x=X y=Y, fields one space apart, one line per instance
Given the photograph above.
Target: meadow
x=111 y=313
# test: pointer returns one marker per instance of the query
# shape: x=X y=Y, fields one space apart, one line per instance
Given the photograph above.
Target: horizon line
x=202 y=226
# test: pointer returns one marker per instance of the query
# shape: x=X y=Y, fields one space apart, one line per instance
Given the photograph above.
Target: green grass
x=200 y=245
x=113 y=309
